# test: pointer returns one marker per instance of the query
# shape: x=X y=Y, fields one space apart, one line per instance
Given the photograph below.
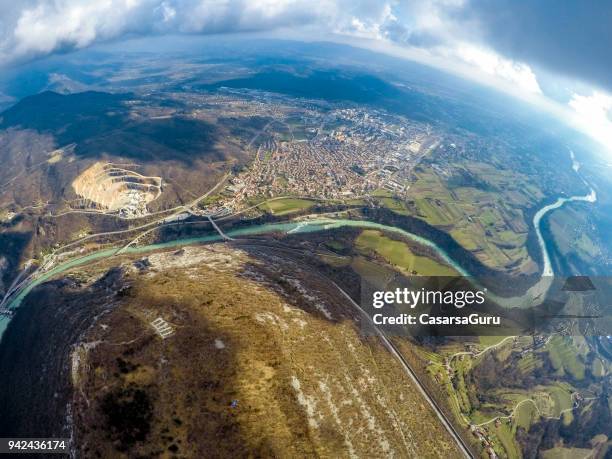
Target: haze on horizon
x=555 y=55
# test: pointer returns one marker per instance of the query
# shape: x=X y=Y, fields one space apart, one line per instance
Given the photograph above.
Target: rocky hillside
x=209 y=352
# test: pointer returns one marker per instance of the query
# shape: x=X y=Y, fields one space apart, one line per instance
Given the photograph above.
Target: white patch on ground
x=308 y=403
x=269 y=317
x=371 y=422
x=219 y=344
x=78 y=353
x=79 y=363
x=215 y=257
x=316 y=302
x=3 y=267
x=254 y=275
x=369 y=384
x=334 y=412
x=76 y=365
x=301 y=323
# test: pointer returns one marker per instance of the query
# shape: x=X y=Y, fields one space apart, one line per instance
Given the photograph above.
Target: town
x=326 y=153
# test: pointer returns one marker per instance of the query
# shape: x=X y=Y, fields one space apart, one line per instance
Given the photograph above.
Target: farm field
x=399 y=255
x=493 y=226
x=287 y=205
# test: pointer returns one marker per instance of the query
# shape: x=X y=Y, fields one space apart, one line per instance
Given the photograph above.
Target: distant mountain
x=77 y=115
x=364 y=88
x=99 y=122
x=326 y=85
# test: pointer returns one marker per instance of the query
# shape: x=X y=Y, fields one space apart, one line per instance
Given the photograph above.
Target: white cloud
x=592 y=115
x=491 y=63
x=370 y=26
x=43 y=26
x=51 y=26
x=37 y=27
x=168 y=13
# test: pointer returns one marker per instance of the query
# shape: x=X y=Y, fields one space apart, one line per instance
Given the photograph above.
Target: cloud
x=592 y=114
x=35 y=28
x=48 y=27
x=568 y=37
x=450 y=29
x=517 y=73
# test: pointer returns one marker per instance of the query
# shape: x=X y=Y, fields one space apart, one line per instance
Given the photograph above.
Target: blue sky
x=555 y=54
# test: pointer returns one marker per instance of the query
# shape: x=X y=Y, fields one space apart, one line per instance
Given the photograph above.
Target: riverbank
x=534 y=294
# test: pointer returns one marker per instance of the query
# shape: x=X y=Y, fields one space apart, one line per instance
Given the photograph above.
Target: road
x=575 y=405
x=484 y=351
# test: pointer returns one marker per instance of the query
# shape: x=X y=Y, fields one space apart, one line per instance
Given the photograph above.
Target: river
x=320 y=224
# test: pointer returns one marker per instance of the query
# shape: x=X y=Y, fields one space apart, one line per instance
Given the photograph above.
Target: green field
x=490 y=340
x=399 y=255
x=597 y=368
x=567 y=453
x=395 y=205
x=566 y=227
x=506 y=436
x=287 y=205
x=476 y=214
x=525 y=414
x=565 y=358
x=528 y=363
x=562 y=399
x=374 y=272
x=355 y=202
